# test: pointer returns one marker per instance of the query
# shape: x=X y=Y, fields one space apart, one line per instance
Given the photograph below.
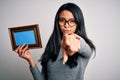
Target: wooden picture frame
x=29 y=35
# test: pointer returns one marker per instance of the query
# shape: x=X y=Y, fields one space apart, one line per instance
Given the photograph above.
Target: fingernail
x=24 y=44
x=63 y=62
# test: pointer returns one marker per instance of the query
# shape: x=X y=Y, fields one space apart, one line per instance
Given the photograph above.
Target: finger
x=77 y=36
x=65 y=56
x=23 y=52
x=26 y=48
x=16 y=50
x=74 y=46
x=21 y=47
x=65 y=34
x=20 y=50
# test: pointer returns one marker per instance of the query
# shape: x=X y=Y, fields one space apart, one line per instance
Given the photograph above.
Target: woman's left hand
x=70 y=44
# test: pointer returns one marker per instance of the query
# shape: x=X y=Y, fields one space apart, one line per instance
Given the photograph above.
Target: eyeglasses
x=71 y=22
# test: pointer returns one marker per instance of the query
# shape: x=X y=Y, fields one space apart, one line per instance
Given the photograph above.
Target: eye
x=62 y=19
x=72 y=21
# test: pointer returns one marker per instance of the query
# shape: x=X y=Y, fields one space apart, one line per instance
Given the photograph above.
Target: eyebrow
x=67 y=19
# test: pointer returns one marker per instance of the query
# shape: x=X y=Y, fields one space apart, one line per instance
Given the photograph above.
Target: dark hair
x=54 y=44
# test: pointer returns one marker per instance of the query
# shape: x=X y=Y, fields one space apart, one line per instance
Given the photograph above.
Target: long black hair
x=54 y=44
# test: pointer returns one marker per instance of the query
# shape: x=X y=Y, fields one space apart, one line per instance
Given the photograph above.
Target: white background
x=102 y=19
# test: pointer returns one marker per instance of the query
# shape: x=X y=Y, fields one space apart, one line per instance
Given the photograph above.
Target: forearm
x=37 y=75
x=85 y=49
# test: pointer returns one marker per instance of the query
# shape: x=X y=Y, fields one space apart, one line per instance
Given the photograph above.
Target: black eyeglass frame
x=63 y=21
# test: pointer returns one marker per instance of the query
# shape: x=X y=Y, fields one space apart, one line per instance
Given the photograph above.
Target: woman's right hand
x=23 y=52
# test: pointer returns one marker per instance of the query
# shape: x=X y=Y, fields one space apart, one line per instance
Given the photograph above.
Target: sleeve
x=37 y=75
x=85 y=49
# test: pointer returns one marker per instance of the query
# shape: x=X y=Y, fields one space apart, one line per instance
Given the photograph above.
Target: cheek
x=73 y=29
x=62 y=29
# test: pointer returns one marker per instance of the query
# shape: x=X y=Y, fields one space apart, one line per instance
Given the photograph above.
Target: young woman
x=68 y=50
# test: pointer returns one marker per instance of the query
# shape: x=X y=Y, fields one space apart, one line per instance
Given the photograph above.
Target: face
x=67 y=22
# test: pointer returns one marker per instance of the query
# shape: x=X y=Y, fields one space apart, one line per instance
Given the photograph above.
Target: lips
x=67 y=31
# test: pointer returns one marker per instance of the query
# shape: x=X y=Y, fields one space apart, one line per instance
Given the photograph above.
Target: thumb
x=65 y=56
x=77 y=36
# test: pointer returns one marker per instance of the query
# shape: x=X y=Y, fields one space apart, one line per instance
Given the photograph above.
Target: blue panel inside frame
x=25 y=37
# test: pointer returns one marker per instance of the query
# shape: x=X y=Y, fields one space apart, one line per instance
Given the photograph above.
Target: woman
x=68 y=50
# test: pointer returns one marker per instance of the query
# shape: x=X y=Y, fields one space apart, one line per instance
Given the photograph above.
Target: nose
x=66 y=25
